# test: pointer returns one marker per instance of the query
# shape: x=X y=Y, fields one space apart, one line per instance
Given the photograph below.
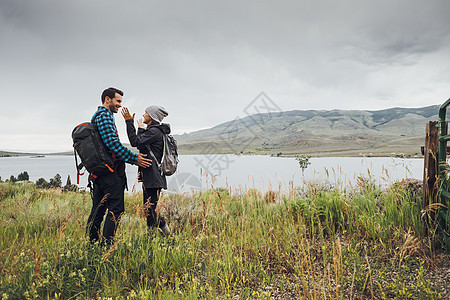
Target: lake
x=197 y=172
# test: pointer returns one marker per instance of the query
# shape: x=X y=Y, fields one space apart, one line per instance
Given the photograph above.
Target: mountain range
x=389 y=132
x=394 y=131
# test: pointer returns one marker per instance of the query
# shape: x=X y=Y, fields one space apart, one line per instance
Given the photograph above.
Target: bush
x=70 y=188
x=42 y=183
x=23 y=176
x=56 y=182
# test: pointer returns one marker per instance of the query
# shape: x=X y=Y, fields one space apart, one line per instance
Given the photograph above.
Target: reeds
x=313 y=243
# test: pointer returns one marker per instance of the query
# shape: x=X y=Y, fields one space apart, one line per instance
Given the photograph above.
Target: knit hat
x=157 y=113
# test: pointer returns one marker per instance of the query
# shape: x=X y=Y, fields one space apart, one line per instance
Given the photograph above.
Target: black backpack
x=88 y=144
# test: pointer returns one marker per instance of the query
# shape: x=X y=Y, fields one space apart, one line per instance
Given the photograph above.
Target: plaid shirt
x=104 y=120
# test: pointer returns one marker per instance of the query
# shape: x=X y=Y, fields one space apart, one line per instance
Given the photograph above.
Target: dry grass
x=314 y=243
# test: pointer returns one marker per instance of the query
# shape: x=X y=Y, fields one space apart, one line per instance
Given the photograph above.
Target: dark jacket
x=153 y=137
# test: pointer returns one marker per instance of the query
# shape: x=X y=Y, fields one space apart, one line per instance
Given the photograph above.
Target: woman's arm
x=131 y=132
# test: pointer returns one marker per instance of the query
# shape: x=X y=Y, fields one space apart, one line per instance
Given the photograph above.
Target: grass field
x=310 y=243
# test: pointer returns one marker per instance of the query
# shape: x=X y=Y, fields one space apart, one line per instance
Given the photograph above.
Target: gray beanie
x=157 y=113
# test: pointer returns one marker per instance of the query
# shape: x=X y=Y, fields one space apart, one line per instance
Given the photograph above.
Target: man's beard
x=113 y=108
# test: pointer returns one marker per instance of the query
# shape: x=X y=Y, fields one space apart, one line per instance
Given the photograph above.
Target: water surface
x=236 y=171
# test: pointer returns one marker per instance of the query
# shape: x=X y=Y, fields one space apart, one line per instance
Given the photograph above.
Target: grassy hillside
x=389 y=132
x=319 y=133
x=15 y=154
x=11 y=154
x=310 y=243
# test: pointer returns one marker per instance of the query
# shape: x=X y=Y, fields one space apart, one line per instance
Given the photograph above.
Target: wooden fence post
x=430 y=170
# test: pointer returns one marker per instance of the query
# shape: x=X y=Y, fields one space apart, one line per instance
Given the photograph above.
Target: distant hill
x=387 y=132
x=391 y=131
x=11 y=154
x=15 y=154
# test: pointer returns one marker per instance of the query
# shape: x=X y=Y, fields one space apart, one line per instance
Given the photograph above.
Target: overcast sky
x=206 y=61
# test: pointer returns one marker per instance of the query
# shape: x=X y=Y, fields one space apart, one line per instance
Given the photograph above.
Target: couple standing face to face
x=114 y=104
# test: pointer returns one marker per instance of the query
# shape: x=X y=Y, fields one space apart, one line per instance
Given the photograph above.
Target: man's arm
x=107 y=129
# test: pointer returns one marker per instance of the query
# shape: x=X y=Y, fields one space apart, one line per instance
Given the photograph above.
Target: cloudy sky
x=206 y=61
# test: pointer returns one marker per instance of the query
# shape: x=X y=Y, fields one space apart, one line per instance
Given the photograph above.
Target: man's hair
x=111 y=93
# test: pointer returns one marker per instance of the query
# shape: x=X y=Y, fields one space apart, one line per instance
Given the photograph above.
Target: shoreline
x=290 y=155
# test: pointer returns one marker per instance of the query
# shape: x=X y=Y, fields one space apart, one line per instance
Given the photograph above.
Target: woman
x=149 y=140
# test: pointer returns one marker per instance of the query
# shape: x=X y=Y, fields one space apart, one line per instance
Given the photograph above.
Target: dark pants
x=151 y=196
x=108 y=193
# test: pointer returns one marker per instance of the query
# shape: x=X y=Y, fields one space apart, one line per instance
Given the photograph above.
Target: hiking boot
x=165 y=230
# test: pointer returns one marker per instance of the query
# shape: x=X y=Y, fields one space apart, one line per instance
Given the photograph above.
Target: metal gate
x=443 y=216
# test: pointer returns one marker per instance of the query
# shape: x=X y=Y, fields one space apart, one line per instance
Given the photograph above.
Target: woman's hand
x=141 y=124
x=126 y=114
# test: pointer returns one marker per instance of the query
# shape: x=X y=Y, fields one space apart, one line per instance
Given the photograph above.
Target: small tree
x=12 y=179
x=56 y=182
x=69 y=186
x=303 y=161
x=23 y=176
x=42 y=183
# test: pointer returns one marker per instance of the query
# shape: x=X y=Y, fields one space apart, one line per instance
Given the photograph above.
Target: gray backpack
x=169 y=160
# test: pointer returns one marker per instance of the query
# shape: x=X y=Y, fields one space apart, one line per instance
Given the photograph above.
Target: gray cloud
x=206 y=60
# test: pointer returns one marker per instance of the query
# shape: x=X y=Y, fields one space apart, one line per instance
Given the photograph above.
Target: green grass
x=313 y=243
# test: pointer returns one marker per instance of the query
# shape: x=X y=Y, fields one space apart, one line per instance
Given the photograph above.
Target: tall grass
x=313 y=243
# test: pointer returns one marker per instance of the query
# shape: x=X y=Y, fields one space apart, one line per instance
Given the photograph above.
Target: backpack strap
x=158 y=164
x=78 y=166
x=164 y=144
x=113 y=155
x=94 y=116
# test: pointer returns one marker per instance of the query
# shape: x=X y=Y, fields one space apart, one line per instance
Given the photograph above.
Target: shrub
x=56 y=182
x=23 y=176
x=42 y=183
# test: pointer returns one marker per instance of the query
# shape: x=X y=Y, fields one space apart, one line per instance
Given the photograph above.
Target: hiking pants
x=151 y=196
x=108 y=194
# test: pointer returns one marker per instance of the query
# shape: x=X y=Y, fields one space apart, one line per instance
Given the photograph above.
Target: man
x=149 y=140
x=108 y=189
